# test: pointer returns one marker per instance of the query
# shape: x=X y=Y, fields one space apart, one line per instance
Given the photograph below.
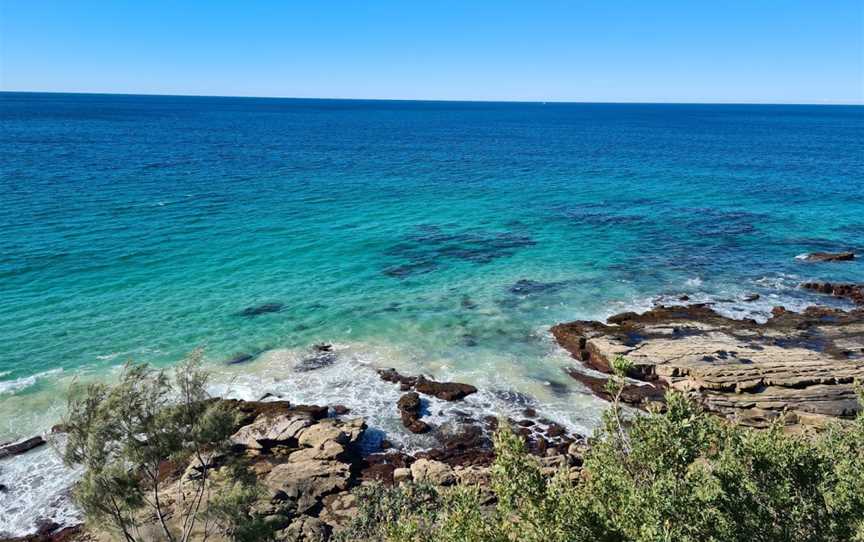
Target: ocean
x=442 y=238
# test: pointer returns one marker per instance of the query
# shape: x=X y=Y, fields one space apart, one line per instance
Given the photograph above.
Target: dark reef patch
x=532 y=287
x=431 y=247
x=264 y=308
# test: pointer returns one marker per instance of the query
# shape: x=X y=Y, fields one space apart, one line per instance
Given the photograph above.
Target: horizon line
x=443 y=100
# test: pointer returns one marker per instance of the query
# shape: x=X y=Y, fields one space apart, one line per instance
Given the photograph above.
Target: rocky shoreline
x=801 y=366
x=310 y=458
x=798 y=367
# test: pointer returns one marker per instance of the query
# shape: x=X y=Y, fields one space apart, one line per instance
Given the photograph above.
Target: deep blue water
x=430 y=236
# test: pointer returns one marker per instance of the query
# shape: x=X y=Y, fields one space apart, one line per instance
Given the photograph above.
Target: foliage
x=676 y=475
x=127 y=435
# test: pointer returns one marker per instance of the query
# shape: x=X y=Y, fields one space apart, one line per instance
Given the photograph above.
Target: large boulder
x=266 y=432
x=448 y=391
x=306 y=482
x=409 y=410
x=432 y=472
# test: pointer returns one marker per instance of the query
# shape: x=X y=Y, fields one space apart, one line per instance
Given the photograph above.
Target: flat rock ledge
x=799 y=365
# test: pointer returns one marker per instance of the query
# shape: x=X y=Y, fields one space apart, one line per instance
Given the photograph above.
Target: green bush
x=680 y=475
x=127 y=435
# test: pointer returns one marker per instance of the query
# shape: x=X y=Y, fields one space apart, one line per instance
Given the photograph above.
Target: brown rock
x=409 y=409
x=17 y=448
x=800 y=366
x=448 y=391
x=852 y=292
x=340 y=410
x=830 y=257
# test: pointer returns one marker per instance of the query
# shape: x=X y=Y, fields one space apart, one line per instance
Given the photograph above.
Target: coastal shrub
x=679 y=474
x=130 y=435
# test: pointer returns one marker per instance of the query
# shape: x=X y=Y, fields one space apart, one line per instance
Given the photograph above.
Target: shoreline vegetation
x=717 y=429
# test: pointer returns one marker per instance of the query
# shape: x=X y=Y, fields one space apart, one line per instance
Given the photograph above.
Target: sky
x=753 y=51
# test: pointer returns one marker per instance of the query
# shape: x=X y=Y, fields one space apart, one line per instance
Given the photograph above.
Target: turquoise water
x=436 y=237
x=140 y=227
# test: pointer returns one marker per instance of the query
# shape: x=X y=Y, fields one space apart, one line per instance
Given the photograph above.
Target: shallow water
x=442 y=238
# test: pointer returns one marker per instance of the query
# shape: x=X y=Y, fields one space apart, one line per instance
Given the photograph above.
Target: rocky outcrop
x=801 y=366
x=308 y=460
x=409 y=410
x=852 y=292
x=829 y=257
x=15 y=448
x=49 y=531
x=447 y=391
x=432 y=472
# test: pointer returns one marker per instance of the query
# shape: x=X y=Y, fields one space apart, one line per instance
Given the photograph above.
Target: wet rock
x=460 y=444
x=515 y=398
x=318 y=360
x=49 y=531
x=529 y=413
x=830 y=257
x=409 y=406
x=20 y=447
x=852 y=292
x=800 y=367
x=265 y=308
x=555 y=430
x=238 y=358
x=380 y=467
x=636 y=394
x=392 y=375
x=448 y=391
x=340 y=410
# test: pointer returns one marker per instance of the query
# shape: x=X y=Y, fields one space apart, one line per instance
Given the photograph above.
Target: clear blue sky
x=612 y=50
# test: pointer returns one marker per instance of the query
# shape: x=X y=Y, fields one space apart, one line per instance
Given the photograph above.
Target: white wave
x=18 y=384
x=38 y=485
x=107 y=357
